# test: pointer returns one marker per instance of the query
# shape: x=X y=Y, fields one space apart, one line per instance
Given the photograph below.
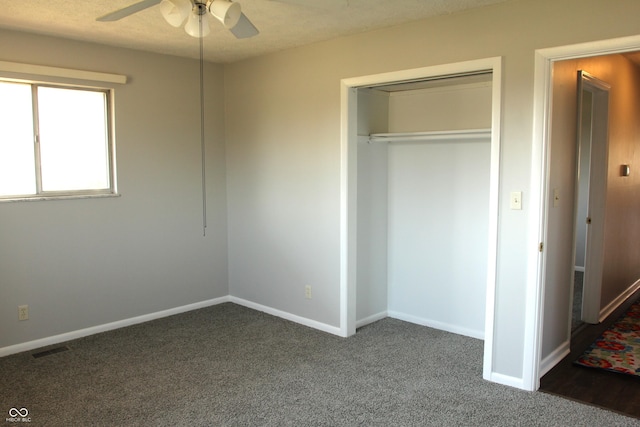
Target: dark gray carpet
x=230 y=366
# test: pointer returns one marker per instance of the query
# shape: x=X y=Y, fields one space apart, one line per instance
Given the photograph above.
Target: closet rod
x=431 y=136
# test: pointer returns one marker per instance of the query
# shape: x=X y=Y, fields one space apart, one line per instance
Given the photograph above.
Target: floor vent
x=50 y=352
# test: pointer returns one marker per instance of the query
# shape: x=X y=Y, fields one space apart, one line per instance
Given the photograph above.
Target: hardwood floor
x=609 y=390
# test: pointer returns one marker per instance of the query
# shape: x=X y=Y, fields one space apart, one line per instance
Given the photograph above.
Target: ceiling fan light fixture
x=193 y=24
x=226 y=12
x=175 y=11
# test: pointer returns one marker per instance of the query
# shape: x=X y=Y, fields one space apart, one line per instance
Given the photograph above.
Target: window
x=55 y=141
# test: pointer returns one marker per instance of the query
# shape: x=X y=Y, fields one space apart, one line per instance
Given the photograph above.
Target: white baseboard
x=67 y=336
x=436 y=325
x=506 y=380
x=288 y=316
x=554 y=358
x=370 y=319
x=610 y=308
x=578 y=268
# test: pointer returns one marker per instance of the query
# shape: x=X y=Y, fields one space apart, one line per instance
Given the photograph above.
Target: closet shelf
x=431 y=136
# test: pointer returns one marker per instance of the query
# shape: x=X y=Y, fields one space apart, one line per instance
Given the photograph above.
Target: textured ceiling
x=282 y=24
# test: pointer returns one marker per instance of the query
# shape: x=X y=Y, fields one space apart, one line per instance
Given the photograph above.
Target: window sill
x=58 y=197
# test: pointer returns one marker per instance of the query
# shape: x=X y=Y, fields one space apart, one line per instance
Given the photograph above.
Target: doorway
x=548 y=322
x=349 y=187
x=423 y=194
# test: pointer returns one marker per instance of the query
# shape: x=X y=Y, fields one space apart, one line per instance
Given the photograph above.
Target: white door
x=593 y=94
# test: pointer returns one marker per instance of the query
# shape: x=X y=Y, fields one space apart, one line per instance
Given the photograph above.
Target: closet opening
x=420 y=200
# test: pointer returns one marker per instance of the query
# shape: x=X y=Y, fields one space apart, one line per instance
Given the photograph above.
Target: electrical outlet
x=307 y=292
x=23 y=312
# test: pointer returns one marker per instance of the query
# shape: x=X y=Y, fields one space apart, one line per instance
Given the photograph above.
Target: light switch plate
x=516 y=200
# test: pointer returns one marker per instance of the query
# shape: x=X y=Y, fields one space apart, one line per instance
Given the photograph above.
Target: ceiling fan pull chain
x=202 y=142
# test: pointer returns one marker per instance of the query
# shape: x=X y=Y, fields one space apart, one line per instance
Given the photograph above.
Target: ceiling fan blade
x=318 y=4
x=244 y=28
x=129 y=10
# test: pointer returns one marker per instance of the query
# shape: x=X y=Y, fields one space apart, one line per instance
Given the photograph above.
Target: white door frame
x=544 y=60
x=348 y=186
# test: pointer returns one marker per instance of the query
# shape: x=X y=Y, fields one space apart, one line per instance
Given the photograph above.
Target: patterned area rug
x=618 y=348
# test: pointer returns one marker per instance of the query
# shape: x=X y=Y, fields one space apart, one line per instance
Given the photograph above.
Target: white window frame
x=111 y=190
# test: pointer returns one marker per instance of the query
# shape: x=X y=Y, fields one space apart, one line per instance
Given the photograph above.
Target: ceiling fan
x=195 y=13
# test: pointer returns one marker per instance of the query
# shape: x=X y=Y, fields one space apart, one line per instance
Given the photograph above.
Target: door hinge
x=540 y=247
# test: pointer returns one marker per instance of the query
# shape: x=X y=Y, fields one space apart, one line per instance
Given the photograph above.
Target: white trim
x=43 y=70
x=589 y=49
x=348 y=207
x=618 y=301
x=40 y=198
x=578 y=268
x=348 y=186
x=534 y=314
x=536 y=265
x=287 y=316
x=506 y=380
x=415 y=74
x=554 y=358
x=448 y=327
x=494 y=205
x=67 y=336
x=370 y=319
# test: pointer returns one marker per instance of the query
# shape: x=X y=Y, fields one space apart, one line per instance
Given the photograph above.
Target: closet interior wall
x=423 y=204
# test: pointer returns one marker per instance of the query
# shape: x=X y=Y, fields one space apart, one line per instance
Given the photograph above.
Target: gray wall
x=371 y=276
x=284 y=168
x=439 y=208
x=438 y=233
x=84 y=263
